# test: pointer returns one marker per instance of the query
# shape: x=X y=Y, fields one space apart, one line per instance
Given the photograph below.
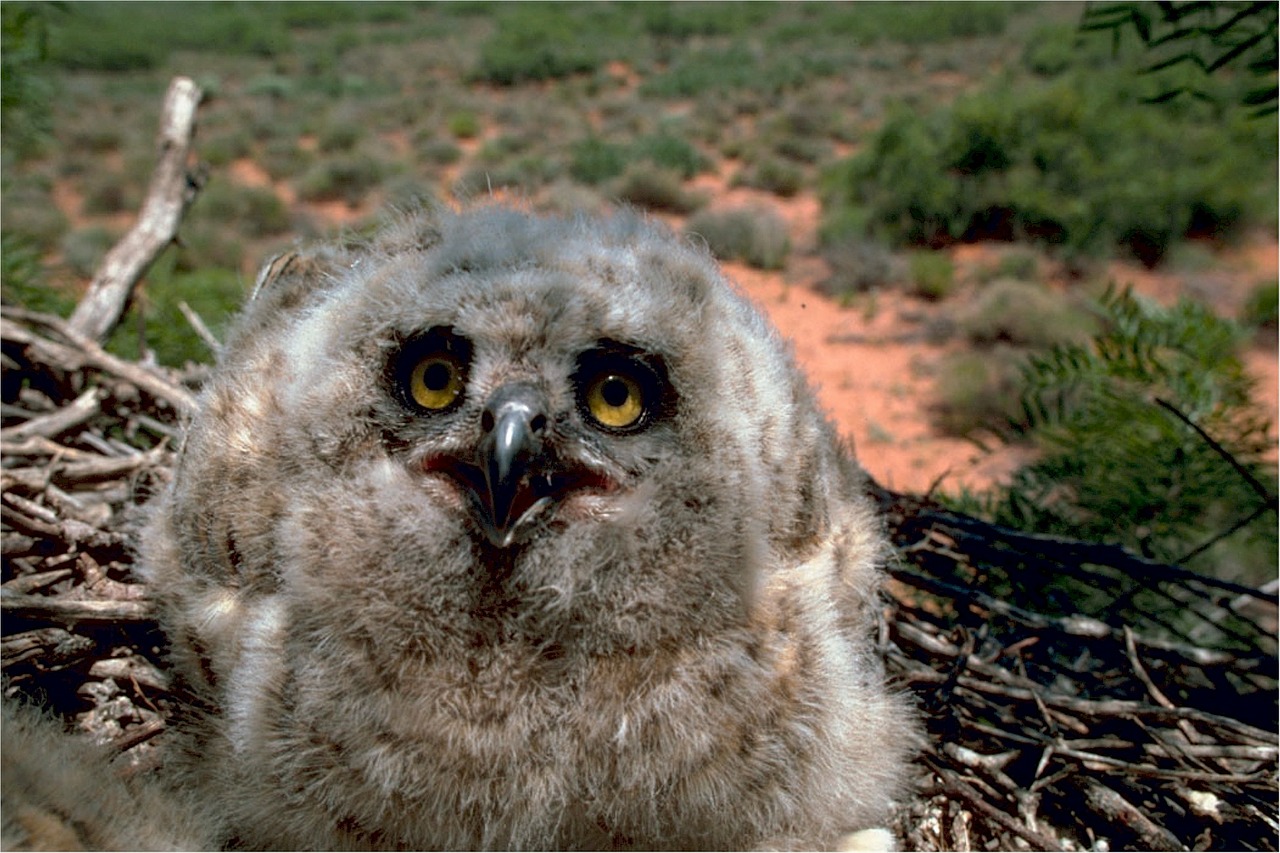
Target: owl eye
x=431 y=370
x=435 y=382
x=615 y=401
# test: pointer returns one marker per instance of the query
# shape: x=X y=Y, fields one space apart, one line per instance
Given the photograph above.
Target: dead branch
x=173 y=187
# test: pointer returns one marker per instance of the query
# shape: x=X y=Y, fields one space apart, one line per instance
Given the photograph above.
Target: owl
x=502 y=530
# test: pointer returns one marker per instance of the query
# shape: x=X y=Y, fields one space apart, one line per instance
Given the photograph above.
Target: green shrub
x=932 y=275
x=108 y=192
x=538 y=41
x=978 y=394
x=755 y=236
x=347 y=178
x=464 y=124
x=669 y=152
x=440 y=152
x=23 y=280
x=339 y=135
x=656 y=188
x=1117 y=465
x=594 y=161
x=859 y=264
x=253 y=211
x=1077 y=162
x=772 y=175
x=1014 y=312
x=28 y=213
x=1261 y=309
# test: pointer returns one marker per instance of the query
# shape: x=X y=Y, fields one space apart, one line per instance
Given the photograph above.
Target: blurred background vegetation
x=1070 y=135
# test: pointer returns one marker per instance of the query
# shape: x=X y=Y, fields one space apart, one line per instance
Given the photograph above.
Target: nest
x=1149 y=722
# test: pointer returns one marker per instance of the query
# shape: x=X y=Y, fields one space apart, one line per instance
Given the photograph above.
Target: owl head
x=493 y=414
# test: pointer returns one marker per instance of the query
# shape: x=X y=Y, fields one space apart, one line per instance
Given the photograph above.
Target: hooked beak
x=515 y=475
x=513 y=424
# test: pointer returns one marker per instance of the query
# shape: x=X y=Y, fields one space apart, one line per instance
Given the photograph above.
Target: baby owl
x=511 y=531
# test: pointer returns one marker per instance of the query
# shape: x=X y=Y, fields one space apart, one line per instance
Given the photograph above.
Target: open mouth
x=509 y=510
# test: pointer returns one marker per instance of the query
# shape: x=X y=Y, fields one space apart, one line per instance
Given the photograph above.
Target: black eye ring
x=618 y=390
x=431 y=370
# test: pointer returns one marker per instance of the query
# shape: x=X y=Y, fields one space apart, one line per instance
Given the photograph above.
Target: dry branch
x=173 y=187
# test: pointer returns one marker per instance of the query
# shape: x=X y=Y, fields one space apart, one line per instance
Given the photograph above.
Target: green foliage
x=1009 y=311
x=25 y=89
x=23 y=280
x=539 y=41
x=593 y=160
x=772 y=175
x=670 y=152
x=348 y=178
x=1262 y=308
x=214 y=295
x=464 y=124
x=111 y=36
x=978 y=394
x=252 y=211
x=756 y=236
x=1119 y=459
x=1075 y=162
x=1208 y=37
x=932 y=275
x=27 y=212
x=653 y=187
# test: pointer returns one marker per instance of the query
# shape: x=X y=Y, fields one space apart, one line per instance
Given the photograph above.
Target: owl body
x=505 y=531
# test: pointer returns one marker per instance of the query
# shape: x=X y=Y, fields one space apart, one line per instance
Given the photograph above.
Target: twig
x=173 y=188
x=198 y=324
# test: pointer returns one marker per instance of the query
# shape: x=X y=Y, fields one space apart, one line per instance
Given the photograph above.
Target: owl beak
x=513 y=424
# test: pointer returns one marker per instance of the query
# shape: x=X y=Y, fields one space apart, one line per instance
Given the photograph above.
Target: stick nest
x=1144 y=717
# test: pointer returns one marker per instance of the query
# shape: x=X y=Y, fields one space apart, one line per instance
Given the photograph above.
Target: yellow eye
x=436 y=382
x=615 y=400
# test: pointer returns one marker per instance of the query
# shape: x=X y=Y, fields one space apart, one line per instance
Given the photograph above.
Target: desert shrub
x=670 y=152
x=108 y=192
x=932 y=275
x=859 y=264
x=1119 y=459
x=283 y=158
x=253 y=211
x=339 y=134
x=772 y=175
x=756 y=236
x=646 y=185
x=538 y=41
x=593 y=160
x=26 y=87
x=1078 y=162
x=440 y=152
x=27 y=213
x=1009 y=311
x=978 y=394
x=464 y=124
x=23 y=280
x=114 y=36
x=1261 y=309
x=226 y=148
x=347 y=178
x=83 y=249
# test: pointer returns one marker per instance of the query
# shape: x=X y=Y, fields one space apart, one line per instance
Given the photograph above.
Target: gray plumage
x=504 y=531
